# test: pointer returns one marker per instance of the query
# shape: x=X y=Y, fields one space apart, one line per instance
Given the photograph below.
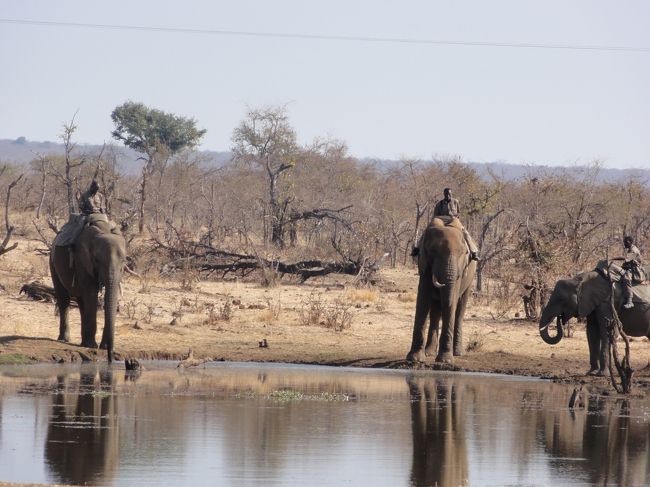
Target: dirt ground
x=163 y=318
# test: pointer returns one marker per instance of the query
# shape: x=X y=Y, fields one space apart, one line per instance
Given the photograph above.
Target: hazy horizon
x=550 y=83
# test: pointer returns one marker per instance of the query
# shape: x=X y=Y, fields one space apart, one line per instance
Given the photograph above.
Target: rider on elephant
x=633 y=269
x=449 y=206
x=91 y=201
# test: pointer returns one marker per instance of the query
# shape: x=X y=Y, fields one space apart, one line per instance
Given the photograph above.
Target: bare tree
x=70 y=163
x=9 y=229
x=265 y=139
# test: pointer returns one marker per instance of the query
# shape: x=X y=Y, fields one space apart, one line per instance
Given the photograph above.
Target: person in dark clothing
x=91 y=201
x=447 y=206
x=633 y=269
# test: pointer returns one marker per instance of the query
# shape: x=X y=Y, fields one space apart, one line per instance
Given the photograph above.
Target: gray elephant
x=95 y=260
x=446 y=274
x=588 y=295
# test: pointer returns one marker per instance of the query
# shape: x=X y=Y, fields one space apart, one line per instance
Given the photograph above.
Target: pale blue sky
x=519 y=105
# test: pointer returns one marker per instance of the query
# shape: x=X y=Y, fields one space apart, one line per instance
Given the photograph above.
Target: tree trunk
x=143 y=197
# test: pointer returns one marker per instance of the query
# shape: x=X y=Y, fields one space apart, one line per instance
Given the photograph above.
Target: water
x=254 y=424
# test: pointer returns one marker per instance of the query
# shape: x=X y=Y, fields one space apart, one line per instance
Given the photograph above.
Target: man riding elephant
x=633 y=269
x=91 y=201
x=449 y=206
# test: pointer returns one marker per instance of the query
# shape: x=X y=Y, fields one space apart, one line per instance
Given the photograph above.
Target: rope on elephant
x=615 y=328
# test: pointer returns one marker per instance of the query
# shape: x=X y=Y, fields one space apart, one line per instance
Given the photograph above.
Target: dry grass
x=407 y=297
x=364 y=295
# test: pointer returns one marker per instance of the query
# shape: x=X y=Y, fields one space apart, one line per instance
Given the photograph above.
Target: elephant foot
x=596 y=372
x=446 y=358
x=63 y=338
x=103 y=345
x=89 y=344
x=418 y=356
x=458 y=353
x=430 y=351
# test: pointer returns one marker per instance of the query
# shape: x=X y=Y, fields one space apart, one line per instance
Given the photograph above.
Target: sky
x=386 y=99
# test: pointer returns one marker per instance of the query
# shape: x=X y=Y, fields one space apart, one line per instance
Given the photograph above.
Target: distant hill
x=22 y=151
x=512 y=172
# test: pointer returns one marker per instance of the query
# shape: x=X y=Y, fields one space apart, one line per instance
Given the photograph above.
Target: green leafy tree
x=156 y=135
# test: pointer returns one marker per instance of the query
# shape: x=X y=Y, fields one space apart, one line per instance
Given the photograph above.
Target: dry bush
x=475 y=342
x=270 y=277
x=130 y=308
x=189 y=277
x=150 y=312
x=272 y=314
x=226 y=311
x=216 y=314
x=147 y=280
x=500 y=301
x=339 y=316
x=311 y=310
x=213 y=314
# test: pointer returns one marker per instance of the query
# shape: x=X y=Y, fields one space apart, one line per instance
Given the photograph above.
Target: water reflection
x=439 y=432
x=612 y=436
x=221 y=425
x=83 y=432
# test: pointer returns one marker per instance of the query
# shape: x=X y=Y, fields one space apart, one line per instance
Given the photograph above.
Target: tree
x=156 y=135
x=267 y=140
x=9 y=228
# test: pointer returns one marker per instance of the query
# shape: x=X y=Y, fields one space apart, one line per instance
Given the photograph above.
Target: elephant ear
x=592 y=291
x=84 y=258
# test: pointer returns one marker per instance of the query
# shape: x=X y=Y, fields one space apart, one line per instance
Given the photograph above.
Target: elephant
x=82 y=442
x=80 y=270
x=588 y=295
x=446 y=274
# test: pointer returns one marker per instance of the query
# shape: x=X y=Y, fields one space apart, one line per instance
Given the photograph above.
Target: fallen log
x=38 y=292
x=44 y=293
x=246 y=264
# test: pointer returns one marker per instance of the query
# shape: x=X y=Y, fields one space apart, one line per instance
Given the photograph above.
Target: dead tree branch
x=205 y=258
x=623 y=368
x=4 y=246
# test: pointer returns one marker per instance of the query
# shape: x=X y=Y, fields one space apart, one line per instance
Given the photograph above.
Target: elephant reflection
x=439 y=446
x=82 y=434
x=615 y=443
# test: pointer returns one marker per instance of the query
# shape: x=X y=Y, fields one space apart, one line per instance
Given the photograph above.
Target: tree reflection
x=439 y=447
x=82 y=433
x=616 y=445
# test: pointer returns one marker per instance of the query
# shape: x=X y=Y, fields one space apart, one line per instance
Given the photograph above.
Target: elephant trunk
x=445 y=275
x=110 y=311
x=545 y=321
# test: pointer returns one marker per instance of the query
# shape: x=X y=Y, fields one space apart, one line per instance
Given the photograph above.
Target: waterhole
x=258 y=424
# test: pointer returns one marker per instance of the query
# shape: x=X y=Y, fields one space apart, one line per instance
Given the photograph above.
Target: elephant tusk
x=132 y=272
x=437 y=284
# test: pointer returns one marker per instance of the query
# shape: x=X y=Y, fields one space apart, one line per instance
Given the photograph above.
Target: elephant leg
x=88 y=319
x=422 y=307
x=604 y=346
x=458 y=329
x=434 y=330
x=448 y=306
x=63 y=305
x=593 y=340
